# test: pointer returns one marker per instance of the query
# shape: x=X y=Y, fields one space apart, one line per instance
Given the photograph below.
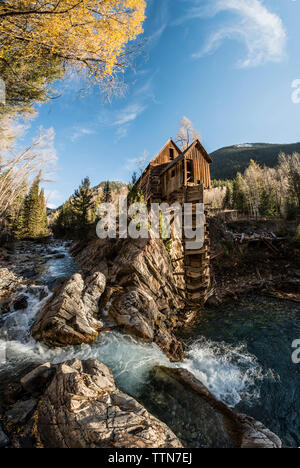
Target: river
x=240 y=351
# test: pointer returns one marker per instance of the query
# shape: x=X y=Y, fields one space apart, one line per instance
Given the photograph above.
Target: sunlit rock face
x=143 y=295
x=9 y=282
x=82 y=408
x=68 y=317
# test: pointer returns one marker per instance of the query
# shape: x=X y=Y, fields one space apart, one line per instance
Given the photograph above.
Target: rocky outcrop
x=143 y=295
x=9 y=282
x=68 y=317
x=256 y=435
x=77 y=405
x=82 y=408
x=4 y=441
x=21 y=302
x=213 y=424
x=36 y=380
x=20 y=412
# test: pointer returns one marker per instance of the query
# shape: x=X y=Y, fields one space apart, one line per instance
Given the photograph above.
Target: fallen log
x=294 y=297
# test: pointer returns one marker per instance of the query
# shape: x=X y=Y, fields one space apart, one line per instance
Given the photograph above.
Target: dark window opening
x=173 y=173
x=189 y=171
x=171 y=154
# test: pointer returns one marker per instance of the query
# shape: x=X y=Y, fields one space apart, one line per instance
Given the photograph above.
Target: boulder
x=21 y=303
x=82 y=408
x=143 y=295
x=138 y=313
x=177 y=394
x=21 y=412
x=256 y=435
x=9 y=282
x=53 y=283
x=68 y=317
x=4 y=441
x=29 y=273
x=5 y=307
x=37 y=379
x=59 y=256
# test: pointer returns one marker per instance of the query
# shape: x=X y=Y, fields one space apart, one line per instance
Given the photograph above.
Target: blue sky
x=228 y=65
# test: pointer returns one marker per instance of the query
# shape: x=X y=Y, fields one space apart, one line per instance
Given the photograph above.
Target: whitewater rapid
x=230 y=373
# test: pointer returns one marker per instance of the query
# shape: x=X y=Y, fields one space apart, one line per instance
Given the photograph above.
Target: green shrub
x=297 y=235
x=164 y=233
x=292 y=211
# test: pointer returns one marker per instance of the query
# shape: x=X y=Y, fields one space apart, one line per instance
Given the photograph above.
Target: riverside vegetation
x=66 y=325
x=262 y=191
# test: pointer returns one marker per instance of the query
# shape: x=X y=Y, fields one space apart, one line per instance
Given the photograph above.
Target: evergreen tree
x=32 y=208
x=294 y=182
x=135 y=193
x=42 y=215
x=132 y=189
x=82 y=203
x=31 y=219
x=65 y=224
x=97 y=203
x=19 y=225
x=268 y=206
x=227 y=202
x=238 y=195
x=107 y=197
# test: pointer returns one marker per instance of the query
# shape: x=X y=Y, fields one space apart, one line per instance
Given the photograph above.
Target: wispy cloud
x=147 y=87
x=125 y=117
x=159 y=13
x=80 y=132
x=156 y=35
x=122 y=132
x=262 y=31
x=129 y=114
x=122 y=118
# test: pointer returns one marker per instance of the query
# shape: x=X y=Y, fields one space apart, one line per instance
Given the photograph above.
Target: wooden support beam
x=177 y=259
x=195 y=252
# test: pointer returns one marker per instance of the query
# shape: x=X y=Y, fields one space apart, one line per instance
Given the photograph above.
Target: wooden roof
x=170 y=140
x=167 y=144
x=185 y=152
x=204 y=152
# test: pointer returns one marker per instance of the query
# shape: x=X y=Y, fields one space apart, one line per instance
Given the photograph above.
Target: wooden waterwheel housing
x=182 y=176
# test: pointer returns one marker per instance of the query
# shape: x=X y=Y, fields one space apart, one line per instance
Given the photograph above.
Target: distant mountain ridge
x=117 y=188
x=229 y=160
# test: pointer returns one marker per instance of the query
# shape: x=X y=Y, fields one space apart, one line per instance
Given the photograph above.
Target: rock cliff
x=143 y=295
x=69 y=316
x=79 y=406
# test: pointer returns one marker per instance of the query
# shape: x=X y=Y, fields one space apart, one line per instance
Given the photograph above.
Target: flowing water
x=241 y=352
x=252 y=342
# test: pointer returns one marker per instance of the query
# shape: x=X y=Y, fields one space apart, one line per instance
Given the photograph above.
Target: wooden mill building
x=172 y=170
x=182 y=176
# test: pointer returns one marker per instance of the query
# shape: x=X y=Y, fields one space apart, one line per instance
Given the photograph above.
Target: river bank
x=261 y=267
x=130 y=359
